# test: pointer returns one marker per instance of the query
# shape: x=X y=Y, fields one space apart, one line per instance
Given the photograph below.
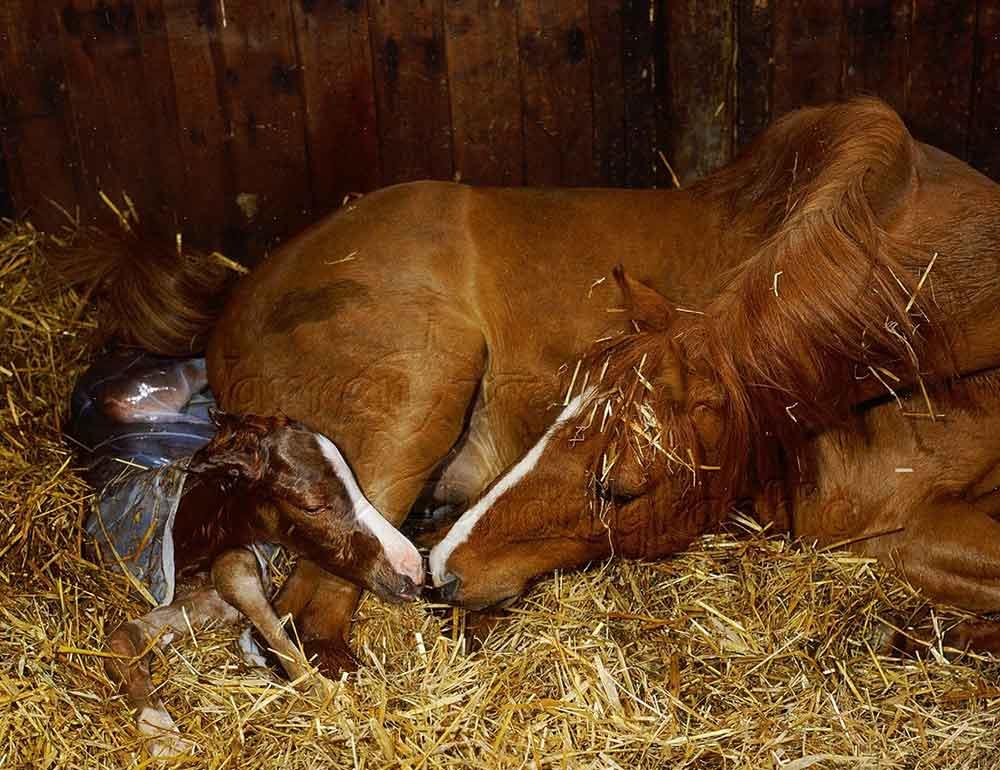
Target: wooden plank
x=609 y=91
x=336 y=72
x=262 y=89
x=104 y=43
x=156 y=107
x=755 y=68
x=557 y=96
x=807 y=53
x=116 y=54
x=37 y=128
x=939 y=97
x=485 y=90
x=877 y=43
x=90 y=30
x=195 y=61
x=984 y=135
x=701 y=68
x=411 y=90
x=639 y=75
x=6 y=201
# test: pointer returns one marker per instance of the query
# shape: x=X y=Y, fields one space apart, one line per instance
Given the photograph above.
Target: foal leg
x=403 y=442
x=130 y=671
x=236 y=576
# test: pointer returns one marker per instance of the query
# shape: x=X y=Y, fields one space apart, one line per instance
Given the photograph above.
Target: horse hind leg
x=405 y=440
x=131 y=644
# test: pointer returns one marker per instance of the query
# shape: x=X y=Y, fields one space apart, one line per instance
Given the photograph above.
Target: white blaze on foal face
x=400 y=553
x=463 y=528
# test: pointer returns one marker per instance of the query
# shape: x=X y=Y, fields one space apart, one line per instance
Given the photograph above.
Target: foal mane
x=829 y=296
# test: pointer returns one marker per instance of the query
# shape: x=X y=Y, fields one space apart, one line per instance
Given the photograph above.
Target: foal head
x=292 y=486
x=626 y=469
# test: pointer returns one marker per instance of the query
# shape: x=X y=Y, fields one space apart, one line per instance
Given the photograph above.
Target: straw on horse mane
x=826 y=297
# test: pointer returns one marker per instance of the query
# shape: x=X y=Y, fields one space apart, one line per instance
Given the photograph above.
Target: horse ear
x=888 y=187
x=645 y=305
x=222 y=419
x=235 y=451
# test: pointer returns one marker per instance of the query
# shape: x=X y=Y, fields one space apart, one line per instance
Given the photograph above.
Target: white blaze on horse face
x=460 y=532
x=401 y=554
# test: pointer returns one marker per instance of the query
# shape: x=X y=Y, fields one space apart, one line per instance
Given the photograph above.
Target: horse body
x=822 y=317
x=433 y=352
x=424 y=327
x=458 y=288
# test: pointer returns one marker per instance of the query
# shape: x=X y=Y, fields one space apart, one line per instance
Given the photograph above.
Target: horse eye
x=608 y=495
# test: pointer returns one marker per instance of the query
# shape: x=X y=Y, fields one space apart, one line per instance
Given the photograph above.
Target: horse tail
x=149 y=292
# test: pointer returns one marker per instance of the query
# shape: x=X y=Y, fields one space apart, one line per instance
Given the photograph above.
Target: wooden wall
x=239 y=121
x=6 y=201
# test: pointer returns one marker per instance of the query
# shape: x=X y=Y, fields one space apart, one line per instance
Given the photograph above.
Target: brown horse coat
x=424 y=326
x=912 y=479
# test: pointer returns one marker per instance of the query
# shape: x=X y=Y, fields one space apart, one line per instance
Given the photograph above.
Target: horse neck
x=209 y=520
x=703 y=242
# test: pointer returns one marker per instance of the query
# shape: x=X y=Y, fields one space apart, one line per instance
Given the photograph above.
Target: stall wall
x=238 y=122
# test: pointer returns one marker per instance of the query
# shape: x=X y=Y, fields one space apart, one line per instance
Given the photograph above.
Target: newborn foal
x=259 y=480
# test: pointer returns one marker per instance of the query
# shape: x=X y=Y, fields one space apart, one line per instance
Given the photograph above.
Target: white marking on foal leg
x=460 y=532
x=401 y=554
x=250 y=649
x=163 y=739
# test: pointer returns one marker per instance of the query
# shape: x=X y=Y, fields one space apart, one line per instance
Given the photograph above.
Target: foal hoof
x=163 y=740
x=321 y=689
x=330 y=657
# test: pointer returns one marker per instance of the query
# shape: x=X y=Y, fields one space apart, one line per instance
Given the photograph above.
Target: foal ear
x=645 y=305
x=236 y=453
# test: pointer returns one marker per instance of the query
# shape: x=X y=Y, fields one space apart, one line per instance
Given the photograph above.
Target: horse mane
x=829 y=296
x=821 y=315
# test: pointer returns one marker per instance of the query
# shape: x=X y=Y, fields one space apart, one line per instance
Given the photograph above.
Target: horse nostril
x=411 y=589
x=448 y=590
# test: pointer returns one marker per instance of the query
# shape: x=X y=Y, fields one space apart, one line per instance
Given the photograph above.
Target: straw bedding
x=748 y=651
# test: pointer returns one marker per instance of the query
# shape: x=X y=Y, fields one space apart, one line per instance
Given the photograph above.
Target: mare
x=422 y=327
x=912 y=479
x=260 y=479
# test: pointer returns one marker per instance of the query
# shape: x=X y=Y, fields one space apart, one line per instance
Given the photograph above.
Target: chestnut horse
x=280 y=483
x=629 y=469
x=422 y=327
